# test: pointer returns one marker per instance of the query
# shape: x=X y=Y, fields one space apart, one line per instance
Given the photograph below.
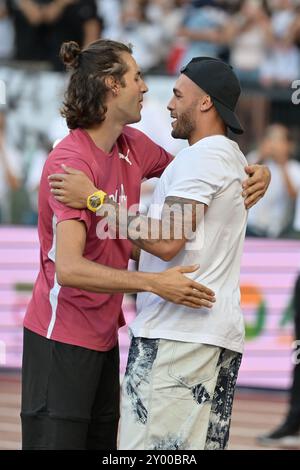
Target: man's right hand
x=72 y=187
x=173 y=286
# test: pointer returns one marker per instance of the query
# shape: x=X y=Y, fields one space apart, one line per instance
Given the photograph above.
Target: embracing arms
x=73 y=187
x=74 y=270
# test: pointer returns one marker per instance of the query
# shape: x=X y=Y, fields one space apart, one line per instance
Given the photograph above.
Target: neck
x=106 y=134
x=208 y=130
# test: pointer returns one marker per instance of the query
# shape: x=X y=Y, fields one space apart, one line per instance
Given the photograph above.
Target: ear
x=112 y=84
x=206 y=103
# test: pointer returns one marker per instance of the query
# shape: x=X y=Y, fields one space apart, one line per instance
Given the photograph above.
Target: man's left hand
x=255 y=186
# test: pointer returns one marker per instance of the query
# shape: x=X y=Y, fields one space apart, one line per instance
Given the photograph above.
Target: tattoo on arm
x=179 y=220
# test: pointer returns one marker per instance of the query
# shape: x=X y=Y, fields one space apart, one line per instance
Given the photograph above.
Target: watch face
x=95 y=201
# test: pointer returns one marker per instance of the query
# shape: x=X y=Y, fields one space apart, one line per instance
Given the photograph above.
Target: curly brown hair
x=84 y=105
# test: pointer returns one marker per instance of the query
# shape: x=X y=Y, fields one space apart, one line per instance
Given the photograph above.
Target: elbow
x=168 y=255
x=170 y=249
x=65 y=275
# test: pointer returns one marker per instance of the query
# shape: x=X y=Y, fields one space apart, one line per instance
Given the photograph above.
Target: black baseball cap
x=219 y=81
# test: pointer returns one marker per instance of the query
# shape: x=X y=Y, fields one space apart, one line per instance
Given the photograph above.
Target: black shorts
x=70 y=395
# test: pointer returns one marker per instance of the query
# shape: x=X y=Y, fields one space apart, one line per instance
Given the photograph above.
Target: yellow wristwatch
x=95 y=200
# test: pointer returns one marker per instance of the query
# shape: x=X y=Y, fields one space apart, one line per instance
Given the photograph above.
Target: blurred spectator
x=172 y=15
x=202 y=28
x=145 y=35
x=110 y=11
x=30 y=33
x=36 y=163
x=293 y=35
x=274 y=213
x=78 y=22
x=247 y=33
x=254 y=110
x=282 y=64
x=42 y=25
x=169 y=14
x=6 y=32
x=10 y=173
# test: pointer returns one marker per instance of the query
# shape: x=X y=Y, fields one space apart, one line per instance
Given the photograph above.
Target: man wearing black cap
x=218 y=80
x=183 y=363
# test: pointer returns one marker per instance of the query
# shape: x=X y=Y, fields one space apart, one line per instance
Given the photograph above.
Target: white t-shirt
x=210 y=171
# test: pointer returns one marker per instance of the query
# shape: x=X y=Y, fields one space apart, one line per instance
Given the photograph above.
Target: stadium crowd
x=259 y=38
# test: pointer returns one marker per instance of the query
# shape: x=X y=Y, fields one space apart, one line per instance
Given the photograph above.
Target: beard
x=185 y=125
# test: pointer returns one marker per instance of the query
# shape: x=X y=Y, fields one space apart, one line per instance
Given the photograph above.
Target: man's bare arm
x=32 y=11
x=73 y=187
x=163 y=237
x=53 y=11
x=135 y=253
x=73 y=270
x=91 y=31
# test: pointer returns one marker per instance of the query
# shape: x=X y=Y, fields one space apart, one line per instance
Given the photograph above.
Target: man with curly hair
x=71 y=360
x=70 y=375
